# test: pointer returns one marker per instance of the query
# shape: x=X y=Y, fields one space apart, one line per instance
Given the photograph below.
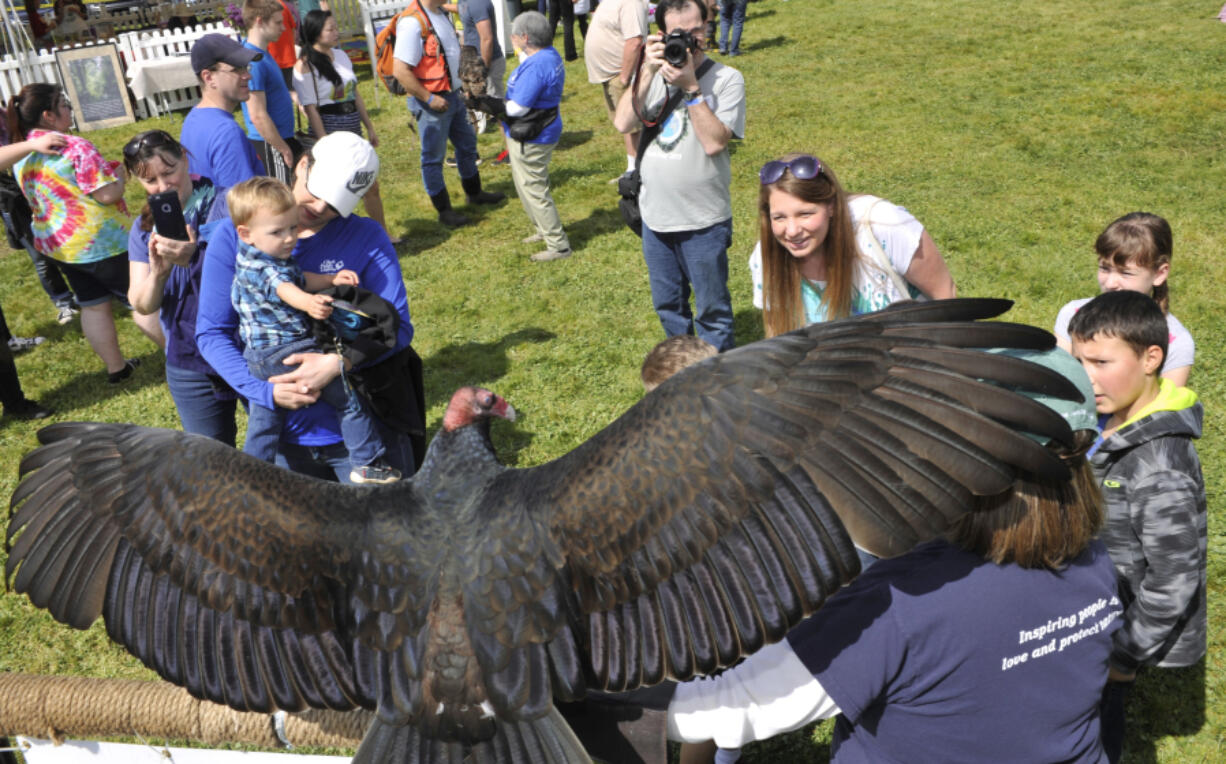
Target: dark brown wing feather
x=716 y=512
x=247 y=584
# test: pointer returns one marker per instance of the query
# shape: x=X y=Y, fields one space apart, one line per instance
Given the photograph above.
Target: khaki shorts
x=613 y=90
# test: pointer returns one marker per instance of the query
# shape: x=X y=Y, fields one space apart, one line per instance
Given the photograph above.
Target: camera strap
x=652 y=128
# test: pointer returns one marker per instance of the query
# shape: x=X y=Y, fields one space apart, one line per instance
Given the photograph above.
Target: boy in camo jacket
x=1156 y=519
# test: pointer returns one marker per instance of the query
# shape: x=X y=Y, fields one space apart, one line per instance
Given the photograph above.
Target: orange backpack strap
x=432 y=70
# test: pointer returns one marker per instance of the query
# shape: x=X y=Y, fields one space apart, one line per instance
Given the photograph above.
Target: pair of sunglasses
x=802 y=167
x=151 y=139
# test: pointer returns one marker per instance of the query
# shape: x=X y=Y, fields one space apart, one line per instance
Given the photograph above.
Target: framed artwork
x=93 y=79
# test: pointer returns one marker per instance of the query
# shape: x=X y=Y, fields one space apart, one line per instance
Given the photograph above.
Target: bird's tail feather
x=547 y=740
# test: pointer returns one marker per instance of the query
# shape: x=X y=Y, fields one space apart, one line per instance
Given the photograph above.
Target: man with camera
x=686 y=199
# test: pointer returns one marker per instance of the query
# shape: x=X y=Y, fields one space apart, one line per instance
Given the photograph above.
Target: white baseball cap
x=344 y=170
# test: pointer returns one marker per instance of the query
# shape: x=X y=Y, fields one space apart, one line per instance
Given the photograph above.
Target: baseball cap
x=213 y=47
x=344 y=170
x=1080 y=415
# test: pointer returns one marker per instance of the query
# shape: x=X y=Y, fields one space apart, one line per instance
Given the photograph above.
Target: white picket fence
x=133 y=46
x=355 y=17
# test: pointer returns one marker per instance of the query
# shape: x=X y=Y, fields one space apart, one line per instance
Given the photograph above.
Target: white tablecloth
x=161 y=75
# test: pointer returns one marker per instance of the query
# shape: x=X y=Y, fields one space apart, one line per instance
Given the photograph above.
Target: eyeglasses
x=241 y=71
x=150 y=140
x=803 y=168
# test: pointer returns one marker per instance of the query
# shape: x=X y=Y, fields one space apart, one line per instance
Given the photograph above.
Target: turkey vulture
x=701 y=524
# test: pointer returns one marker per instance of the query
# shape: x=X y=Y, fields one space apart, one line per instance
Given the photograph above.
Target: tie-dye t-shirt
x=69 y=224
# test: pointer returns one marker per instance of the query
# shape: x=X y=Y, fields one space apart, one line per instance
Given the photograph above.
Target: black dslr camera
x=677 y=45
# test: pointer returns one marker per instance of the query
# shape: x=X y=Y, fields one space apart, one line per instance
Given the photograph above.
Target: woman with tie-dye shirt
x=76 y=198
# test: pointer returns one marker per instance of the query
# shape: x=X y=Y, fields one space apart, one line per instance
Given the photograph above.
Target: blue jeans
x=731 y=11
x=680 y=260
x=200 y=410
x=264 y=425
x=435 y=129
x=331 y=462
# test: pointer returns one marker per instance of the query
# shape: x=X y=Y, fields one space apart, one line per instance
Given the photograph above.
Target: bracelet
x=429 y=99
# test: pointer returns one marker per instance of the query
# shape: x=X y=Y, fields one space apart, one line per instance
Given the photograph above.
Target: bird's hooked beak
x=503 y=409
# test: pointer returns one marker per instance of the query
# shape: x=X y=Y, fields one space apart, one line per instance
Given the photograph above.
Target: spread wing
x=721 y=509
x=246 y=584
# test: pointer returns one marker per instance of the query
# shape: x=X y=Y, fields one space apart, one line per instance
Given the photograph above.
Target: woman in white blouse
x=327 y=90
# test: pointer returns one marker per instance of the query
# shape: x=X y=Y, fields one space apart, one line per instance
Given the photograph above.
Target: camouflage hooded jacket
x=1157 y=531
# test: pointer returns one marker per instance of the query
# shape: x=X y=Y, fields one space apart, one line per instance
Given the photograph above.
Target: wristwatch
x=693 y=97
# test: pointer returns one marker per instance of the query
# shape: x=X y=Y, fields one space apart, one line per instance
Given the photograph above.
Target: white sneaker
x=550 y=254
x=22 y=344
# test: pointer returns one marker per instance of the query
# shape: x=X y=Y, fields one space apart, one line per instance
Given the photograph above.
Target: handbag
x=631 y=182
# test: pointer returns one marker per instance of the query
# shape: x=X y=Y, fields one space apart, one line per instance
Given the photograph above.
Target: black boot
x=446 y=215
x=472 y=187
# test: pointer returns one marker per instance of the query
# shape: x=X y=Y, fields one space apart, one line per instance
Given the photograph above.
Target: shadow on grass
x=421 y=234
x=597 y=223
x=572 y=138
x=90 y=387
x=510 y=440
x=769 y=42
x=1166 y=702
x=747 y=326
x=758 y=13
x=468 y=363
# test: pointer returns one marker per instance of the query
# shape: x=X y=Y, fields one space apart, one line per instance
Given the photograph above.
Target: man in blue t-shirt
x=269 y=112
x=328 y=183
x=215 y=143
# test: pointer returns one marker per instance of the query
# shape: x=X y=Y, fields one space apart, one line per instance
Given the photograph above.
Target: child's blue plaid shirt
x=264 y=320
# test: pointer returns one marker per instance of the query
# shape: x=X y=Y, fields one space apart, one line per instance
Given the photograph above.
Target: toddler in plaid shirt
x=273 y=298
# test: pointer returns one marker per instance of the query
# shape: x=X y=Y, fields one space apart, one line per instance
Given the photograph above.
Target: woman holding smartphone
x=164 y=272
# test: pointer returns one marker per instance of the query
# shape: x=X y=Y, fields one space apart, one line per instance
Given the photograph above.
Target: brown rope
x=60 y=707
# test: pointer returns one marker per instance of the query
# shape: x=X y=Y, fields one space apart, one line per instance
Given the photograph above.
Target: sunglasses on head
x=803 y=167
x=150 y=140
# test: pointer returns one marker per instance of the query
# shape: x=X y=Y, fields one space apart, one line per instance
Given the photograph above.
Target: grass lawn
x=1014 y=132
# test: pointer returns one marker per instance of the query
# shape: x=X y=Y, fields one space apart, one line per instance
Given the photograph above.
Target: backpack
x=385 y=46
x=19 y=217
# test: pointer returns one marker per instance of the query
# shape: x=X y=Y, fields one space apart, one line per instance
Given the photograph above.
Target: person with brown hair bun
x=823 y=254
x=76 y=197
x=988 y=643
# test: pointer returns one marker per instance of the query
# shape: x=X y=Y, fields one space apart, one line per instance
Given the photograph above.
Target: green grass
x=1014 y=132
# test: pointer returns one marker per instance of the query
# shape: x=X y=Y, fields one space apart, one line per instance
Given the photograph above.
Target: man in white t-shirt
x=686 y=197
x=611 y=51
x=429 y=69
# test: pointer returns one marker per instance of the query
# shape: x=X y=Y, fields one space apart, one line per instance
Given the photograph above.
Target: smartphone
x=168 y=215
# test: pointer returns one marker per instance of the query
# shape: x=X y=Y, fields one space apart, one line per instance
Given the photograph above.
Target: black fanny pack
x=532 y=124
x=344 y=107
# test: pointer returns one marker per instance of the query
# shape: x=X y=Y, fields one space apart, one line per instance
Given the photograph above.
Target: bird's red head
x=470 y=404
